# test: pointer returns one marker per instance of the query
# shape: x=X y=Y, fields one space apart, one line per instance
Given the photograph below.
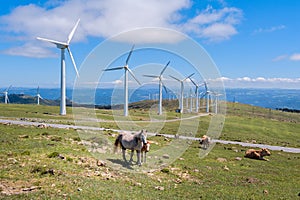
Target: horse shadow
x=123 y=163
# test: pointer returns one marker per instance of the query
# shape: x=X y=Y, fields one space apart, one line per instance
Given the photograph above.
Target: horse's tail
x=117 y=142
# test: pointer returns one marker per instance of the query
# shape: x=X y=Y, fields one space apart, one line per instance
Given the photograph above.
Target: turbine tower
x=62 y=46
x=181 y=89
x=38 y=96
x=207 y=94
x=161 y=85
x=126 y=70
x=5 y=93
x=197 y=94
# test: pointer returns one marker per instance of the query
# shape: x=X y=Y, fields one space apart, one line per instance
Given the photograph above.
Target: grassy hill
x=47 y=163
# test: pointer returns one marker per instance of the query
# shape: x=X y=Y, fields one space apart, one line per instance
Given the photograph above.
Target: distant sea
x=267 y=98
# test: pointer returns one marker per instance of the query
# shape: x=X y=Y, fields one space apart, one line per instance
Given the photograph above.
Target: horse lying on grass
x=133 y=142
x=258 y=154
x=205 y=141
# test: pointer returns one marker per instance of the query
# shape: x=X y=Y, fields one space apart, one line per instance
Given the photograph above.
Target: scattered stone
x=79 y=189
x=226 y=168
x=196 y=170
x=160 y=188
x=31 y=188
x=238 y=158
x=23 y=136
x=181 y=158
x=101 y=163
x=138 y=184
x=178 y=181
x=266 y=192
x=166 y=156
x=222 y=159
x=42 y=126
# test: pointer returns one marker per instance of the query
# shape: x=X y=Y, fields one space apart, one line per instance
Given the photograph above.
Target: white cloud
x=104 y=18
x=213 y=24
x=279 y=58
x=270 y=29
x=295 y=57
x=260 y=82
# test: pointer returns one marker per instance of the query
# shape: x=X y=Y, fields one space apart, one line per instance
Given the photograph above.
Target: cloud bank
x=104 y=18
x=260 y=82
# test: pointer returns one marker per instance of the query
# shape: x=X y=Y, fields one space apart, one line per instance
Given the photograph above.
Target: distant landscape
x=286 y=99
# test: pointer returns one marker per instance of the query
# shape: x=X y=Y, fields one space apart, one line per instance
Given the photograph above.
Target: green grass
x=55 y=164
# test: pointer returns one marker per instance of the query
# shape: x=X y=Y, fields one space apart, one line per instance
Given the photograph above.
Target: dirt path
x=63 y=126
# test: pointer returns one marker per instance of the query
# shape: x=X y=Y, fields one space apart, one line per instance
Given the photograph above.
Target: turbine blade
x=72 y=32
x=175 y=78
x=188 y=76
x=164 y=87
x=129 y=55
x=38 y=90
x=164 y=68
x=193 y=82
x=53 y=41
x=151 y=76
x=72 y=58
x=129 y=70
x=205 y=85
x=112 y=69
x=8 y=88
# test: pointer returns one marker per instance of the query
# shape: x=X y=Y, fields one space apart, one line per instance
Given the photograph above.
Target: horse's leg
x=138 y=154
x=145 y=156
x=142 y=156
x=131 y=155
x=123 y=151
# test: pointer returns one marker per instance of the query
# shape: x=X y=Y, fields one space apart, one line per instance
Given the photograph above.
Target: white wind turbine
x=126 y=70
x=161 y=85
x=38 y=96
x=5 y=93
x=62 y=46
x=197 y=93
x=181 y=90
x=217 y=95
x=207 y=94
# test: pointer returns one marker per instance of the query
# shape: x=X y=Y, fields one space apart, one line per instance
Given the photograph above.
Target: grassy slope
x=25 y=162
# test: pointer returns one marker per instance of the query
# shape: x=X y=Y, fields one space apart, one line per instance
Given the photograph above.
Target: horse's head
x=143 y=136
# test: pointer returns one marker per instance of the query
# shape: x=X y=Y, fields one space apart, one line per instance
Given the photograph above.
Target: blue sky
x=253 y=43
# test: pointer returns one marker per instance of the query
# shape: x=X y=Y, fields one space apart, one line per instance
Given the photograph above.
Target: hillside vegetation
x=48 y=163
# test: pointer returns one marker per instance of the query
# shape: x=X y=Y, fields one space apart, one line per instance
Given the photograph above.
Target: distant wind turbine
x=161 y=85
x=207 y=94
x=181 y=89
x=5 y=93
x=197 y=93
x=217 y=95
x=38 y=96
x=126 y=70
x=63 y=46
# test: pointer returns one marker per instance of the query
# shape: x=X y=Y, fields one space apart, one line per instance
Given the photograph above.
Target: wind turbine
x=38 y=96
x=217 y=95
x=161 y=85
x=62 y=46
x=197 y=93
x=5 y=93
x=207 y=94
x=126 y=70
x=181 y=89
